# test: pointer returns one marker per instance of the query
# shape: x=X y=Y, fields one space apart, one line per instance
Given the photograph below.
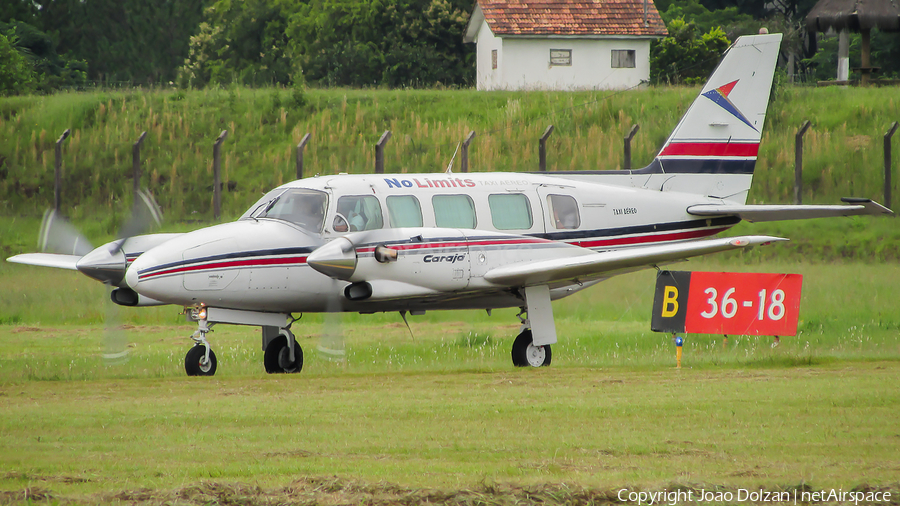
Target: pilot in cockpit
x=308 y=212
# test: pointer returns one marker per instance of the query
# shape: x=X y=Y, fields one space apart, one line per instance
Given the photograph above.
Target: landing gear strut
x=283 y=354
x=200 y=360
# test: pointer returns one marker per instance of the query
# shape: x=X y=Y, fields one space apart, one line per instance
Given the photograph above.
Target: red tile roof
x=572 y=17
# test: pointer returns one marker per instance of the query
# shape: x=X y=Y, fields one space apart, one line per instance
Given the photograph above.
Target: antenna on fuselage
x=450 y=165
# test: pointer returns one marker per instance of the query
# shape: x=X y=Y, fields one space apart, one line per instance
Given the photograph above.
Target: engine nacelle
x=130 y=298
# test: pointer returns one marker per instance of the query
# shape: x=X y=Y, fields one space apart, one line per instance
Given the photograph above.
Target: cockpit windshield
x=300 y=206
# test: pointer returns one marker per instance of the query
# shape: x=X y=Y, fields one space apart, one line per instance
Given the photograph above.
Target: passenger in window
x=565 y=212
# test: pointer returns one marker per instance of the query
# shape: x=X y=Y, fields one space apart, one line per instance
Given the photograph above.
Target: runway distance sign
x=727 y=303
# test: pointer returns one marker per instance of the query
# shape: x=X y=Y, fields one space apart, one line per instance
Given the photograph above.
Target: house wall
x=525 y=63
x=487 y=77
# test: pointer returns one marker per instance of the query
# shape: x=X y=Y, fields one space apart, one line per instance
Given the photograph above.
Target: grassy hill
x=843 y=154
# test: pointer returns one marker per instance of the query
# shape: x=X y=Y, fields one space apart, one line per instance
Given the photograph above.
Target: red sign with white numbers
x=727 y=303
x=743 y=303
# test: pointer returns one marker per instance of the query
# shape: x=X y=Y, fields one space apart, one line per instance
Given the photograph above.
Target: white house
x=563 y=44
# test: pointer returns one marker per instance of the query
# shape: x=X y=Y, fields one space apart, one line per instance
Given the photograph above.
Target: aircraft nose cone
x=103 y=264
x=336 y=259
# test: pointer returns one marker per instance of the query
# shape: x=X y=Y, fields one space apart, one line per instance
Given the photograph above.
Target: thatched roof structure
x=855 y=15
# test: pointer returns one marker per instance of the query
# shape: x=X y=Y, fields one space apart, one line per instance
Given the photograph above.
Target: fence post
x=887 y=164
x=464 y=157
x=300 y=147
x=57 y=192
x=379 y=151
x=217 y=184
x=798 y=162
x=136 y=164
x=542 y=149
x=627 y=163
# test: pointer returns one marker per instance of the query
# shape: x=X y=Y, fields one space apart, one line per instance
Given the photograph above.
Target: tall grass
x=842 y=154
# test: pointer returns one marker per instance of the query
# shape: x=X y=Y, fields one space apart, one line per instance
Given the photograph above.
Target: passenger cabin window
x=300 y=206
x=362 y=212
x=454 y=211
x=510 y=211
x=404 y=211
x=564 y=212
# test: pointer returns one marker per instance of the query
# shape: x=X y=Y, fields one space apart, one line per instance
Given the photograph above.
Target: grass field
x=441 y=416
x=842 y=157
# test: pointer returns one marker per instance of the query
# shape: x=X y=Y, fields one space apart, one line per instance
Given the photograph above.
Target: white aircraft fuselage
x=453 y=228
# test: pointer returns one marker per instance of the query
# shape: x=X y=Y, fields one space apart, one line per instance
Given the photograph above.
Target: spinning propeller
x=338 y=260
x=106 y=264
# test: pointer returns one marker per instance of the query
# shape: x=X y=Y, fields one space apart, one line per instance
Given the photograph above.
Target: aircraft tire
x=525 y=354
x=276 y=356
x=193 y=362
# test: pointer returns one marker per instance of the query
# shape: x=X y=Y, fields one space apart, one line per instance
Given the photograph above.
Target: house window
x=623 y=58
x=560 y=57
x=494 y=59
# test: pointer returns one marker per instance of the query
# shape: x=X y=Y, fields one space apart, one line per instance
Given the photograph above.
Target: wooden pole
x=464 y=157
x=542 y=149
x=627 y=163
x=798 y=162
x=303 y=142
x=379 y=151
x=865 y=50
x=887 y=164
x=136 y=165
x=57 y=192
x=217 y=178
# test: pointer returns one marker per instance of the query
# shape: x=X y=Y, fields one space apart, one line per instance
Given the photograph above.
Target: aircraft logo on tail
x=720 y=97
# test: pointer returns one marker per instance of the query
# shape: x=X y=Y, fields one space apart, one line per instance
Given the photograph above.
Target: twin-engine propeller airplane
x=418 y=242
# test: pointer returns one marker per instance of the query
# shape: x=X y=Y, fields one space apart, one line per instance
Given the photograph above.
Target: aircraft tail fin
x=721 y=131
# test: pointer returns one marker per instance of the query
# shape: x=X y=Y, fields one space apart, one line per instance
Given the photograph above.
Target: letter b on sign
x=670 y=301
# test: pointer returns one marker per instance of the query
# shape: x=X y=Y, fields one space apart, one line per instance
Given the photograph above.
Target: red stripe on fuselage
x=226 y=265
x=711 y=149
x=629 y=241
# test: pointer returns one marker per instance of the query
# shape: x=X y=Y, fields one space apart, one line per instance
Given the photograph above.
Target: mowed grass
x=831 y=426
x=443 y=409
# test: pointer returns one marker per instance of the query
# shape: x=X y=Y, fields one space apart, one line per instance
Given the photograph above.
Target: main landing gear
x=281 y=353
x=525 y=352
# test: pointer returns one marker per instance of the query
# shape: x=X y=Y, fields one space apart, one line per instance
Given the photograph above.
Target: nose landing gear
x=200 y=360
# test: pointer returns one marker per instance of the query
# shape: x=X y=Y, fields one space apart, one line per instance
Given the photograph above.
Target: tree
x=241 y=41
x=124 y=40
x=16 y=74
x=684 y=58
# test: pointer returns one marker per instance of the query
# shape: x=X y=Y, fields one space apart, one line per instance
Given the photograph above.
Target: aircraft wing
x=609 y=263
x=47 y=260
x=753 y=213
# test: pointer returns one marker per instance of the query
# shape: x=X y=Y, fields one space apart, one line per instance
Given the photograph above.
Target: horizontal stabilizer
x=609 y=263
x=47 y=260
x=755 y=213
